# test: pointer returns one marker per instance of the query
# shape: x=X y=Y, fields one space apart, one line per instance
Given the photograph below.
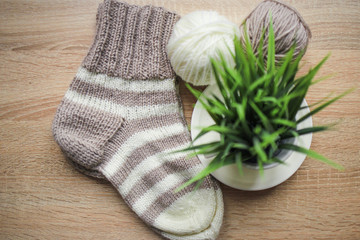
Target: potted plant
x=256 y=111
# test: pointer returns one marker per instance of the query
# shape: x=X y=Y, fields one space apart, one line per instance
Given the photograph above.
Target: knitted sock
x=121 y=117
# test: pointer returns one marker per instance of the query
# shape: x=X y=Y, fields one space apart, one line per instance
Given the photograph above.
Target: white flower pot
x=251 y=180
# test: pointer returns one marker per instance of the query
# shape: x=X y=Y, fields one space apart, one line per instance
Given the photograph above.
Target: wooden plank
x=42 y=43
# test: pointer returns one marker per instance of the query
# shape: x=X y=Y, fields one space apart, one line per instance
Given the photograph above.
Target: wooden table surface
x=42 y=43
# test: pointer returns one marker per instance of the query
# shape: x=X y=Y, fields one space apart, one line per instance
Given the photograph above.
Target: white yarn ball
x=196 y=38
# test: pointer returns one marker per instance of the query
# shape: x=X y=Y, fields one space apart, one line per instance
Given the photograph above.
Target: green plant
x=257 y=108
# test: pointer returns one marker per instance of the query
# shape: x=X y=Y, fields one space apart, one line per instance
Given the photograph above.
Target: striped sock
x=121 y=118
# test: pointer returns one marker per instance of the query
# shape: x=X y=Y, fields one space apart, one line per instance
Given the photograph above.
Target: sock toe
x=192 y=213
x=212 y=231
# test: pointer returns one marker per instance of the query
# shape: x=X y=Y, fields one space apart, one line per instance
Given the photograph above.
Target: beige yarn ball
x=289 y=28
x=197 y=37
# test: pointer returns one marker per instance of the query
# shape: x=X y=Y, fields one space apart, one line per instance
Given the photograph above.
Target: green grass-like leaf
x=312 y=154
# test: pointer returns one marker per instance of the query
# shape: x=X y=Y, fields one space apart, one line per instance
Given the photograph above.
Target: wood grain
x=42 y=197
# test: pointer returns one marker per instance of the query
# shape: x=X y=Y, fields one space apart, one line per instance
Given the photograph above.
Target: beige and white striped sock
x=121 y=118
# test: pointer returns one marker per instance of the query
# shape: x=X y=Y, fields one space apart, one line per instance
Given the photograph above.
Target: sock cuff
x=130 y=41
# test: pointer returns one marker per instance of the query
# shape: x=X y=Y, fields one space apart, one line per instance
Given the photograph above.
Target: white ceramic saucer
x=251 y=179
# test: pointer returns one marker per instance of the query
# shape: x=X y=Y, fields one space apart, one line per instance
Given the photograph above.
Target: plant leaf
x=324 y=105
x=311 y=154
x=271 y=48
x=305 y=131
x=213 y=166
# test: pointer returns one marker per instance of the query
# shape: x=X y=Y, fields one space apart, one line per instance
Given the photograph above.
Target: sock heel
x=82 y=132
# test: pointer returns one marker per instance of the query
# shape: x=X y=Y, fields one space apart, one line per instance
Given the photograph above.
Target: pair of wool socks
x=122 y=119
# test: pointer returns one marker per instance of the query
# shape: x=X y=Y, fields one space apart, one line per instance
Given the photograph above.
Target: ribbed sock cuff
x=130 y=41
